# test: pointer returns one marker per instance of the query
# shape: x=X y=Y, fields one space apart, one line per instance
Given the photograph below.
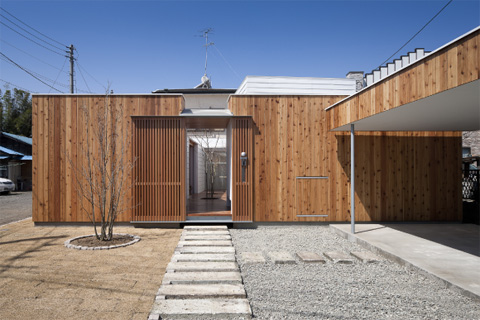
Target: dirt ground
x=41 y=279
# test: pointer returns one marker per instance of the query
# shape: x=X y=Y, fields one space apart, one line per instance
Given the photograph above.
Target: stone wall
x=472 y=139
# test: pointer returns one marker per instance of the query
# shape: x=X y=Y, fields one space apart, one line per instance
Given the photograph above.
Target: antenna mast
x=207 y=44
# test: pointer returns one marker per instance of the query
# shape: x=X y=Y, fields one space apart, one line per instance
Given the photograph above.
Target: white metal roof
x=267 y=85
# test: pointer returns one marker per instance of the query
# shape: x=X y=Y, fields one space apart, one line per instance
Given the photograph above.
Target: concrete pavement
x=446 y=252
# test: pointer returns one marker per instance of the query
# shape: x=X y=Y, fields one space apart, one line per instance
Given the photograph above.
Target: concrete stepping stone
x=201 y=277
x=365 y=256
x=201 y=291
x=205 y=228
x=205 y=233
x=205 y=243
x=214 y=257
x=252 y=257
x=218 y=308
x=201 y=250
x=206 y=237
x=281 y=257
x=310 y=257
x=202 y=267
x=339 y=257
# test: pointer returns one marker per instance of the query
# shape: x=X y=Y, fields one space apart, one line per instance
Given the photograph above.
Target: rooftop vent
x=391 y=67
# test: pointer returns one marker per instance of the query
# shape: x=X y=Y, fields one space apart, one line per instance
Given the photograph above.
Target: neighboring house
x=16 y=160
x=471 y=142
x=288 y=156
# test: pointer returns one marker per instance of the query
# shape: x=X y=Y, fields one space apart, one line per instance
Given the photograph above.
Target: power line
x=14 y=85
x=16 y=64
x=41 y=45
x=415 y=34
x=32 y=27
x=28 y=54
x=36 y=73
x=59 y=72
x=54 y=46
x=80 y=67
x=81 y=73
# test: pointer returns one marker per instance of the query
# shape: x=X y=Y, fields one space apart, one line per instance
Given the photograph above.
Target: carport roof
x=457 y=109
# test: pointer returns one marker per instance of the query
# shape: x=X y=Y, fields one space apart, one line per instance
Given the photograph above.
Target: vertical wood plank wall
x=454 y=65
x=159 y=173
x=57 y=131
x=400 y=176
x=243 y=191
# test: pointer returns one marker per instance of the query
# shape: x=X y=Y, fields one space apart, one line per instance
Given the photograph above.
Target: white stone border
x=72 y=246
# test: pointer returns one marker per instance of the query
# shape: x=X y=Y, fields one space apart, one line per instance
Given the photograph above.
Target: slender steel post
x=352 y=177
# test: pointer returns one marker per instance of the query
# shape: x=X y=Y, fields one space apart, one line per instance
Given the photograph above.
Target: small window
x=3 y=171
x=466 y=152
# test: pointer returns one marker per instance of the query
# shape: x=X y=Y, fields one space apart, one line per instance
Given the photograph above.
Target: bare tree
x=102 y=173
x=208 y=141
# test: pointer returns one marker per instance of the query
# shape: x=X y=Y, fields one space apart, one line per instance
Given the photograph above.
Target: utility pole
x=71 y=67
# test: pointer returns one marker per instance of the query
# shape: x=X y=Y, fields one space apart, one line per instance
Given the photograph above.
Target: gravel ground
x=383 y=290
x=15 y=206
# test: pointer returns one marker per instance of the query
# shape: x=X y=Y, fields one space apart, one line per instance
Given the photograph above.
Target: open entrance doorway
x=208 y=167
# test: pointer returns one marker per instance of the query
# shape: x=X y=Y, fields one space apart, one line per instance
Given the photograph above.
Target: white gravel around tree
x=383 y=290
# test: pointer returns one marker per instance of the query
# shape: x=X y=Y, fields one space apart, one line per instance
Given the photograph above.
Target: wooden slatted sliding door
x=159 y=172
x=242 y=183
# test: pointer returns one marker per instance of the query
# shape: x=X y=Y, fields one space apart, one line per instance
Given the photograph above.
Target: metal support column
x=352 y=177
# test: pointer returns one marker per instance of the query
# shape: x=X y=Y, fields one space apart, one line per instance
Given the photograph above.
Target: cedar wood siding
x=452 y=66
x=400 y=176
x=57 y=131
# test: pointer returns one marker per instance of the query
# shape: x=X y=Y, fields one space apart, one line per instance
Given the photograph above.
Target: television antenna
x=206 y=84
x=207 y=44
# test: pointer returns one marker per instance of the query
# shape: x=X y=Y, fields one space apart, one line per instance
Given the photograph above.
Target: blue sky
x=140 y=46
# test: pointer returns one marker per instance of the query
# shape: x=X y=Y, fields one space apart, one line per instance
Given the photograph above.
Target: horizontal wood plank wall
x=457 y=64
x=159 y=173
x=58 y=134
x=243 y=193
x=400 y=176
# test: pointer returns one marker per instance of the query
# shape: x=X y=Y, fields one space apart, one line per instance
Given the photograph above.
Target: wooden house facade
x=298 y=167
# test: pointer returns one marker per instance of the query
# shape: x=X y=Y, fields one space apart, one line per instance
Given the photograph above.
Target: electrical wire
x=18 y=87
x=80 y=67
x=54 y=46
x=41 y=45
x=32 y=28
x=28 y=54
x=228 y=64
x=80 y=70
x=65 y=61
x=36 y=73
x=415 y=34
x=22 y=68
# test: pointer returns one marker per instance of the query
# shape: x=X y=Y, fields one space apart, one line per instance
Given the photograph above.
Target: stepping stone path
x=203 y=278
x=281 y=257
x=252 y=257
x=365 y=256
x=339 y=257
x=310 y=257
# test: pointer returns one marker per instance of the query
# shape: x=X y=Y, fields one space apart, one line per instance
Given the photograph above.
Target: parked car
x=6 y=185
